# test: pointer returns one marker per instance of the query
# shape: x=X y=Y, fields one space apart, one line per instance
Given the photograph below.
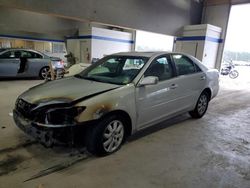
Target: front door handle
x=203 y=77
x=173 y=86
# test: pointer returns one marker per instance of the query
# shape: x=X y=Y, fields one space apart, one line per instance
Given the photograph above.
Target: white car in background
x=18 y=62
x=116 y=97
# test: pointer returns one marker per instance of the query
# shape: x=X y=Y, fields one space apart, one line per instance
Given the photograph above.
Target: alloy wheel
x=202 y=104
x=113 y=136
x=44 y=72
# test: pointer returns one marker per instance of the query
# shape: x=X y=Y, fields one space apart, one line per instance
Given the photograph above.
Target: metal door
x=155 y=102
x=9 y=64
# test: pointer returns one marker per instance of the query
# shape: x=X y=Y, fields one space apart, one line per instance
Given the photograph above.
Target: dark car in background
x=17 y=62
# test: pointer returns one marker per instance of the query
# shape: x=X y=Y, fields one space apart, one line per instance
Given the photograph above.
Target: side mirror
x=149 y=80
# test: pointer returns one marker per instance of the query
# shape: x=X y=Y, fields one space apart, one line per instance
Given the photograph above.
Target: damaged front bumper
x=46 y=134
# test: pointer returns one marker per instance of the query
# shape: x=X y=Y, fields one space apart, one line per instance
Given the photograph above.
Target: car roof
x=18 y=49
x=31 y=50
x=158 y=53
x=152 y=54
x=142 y=54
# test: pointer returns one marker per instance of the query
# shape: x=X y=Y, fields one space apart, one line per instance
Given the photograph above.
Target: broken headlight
x=64 y=115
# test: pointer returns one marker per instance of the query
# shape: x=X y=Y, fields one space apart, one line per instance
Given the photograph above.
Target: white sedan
x=18 y=62
x=116 y=97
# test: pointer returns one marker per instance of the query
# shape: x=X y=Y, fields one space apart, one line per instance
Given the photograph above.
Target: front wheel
x=107 y=136
x=234 y=74
x=201 y=106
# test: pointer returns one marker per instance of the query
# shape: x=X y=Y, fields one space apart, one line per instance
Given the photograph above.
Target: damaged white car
x=116 y=97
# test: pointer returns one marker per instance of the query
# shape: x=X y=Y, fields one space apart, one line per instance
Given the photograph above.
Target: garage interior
x=181 y=152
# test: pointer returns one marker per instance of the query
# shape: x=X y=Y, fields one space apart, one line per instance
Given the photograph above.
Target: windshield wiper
x=110 y=82
x=78 y=76
x=88 y=78
x=96 y=79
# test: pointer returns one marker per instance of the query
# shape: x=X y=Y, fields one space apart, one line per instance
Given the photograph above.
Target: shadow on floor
x=16 y=79
x=63 y=156
x=163 y=125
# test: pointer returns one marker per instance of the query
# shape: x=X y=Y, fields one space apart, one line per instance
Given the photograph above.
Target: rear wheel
x=201 y=106
x=107 y=136
x=44 y=73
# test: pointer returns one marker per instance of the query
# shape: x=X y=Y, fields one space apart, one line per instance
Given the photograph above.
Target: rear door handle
x=173 y=86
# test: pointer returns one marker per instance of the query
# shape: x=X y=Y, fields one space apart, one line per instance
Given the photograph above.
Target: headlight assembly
x=62 y=115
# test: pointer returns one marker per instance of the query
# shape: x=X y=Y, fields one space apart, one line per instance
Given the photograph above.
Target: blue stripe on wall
x=214 y=39
x=30 y=38
x=102 y=38
x=193 y=38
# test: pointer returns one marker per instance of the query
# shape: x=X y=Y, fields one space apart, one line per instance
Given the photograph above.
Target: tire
x=201 y=106
x=107 y=136
x=59 y=73
x=43 y=73
x=234 y=74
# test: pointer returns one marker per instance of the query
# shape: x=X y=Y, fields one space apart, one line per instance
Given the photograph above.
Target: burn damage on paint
x=57 y=119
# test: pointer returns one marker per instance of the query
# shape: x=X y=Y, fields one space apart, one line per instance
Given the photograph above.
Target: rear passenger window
x=184 y=65
x=36 y=55
x=28 y=54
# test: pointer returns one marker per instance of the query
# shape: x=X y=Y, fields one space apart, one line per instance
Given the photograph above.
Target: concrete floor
x=210 y=152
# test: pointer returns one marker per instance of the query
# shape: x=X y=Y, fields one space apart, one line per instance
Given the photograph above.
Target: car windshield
x=119 y=70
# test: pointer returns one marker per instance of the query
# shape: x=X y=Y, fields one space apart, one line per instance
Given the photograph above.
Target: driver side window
x=161 y=68
x=184 y=65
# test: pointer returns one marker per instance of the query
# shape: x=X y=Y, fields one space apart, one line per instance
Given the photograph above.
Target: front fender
x=122 y=98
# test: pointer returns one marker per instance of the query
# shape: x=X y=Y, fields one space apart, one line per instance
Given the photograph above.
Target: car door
x=156 y=102
x=190 y=79
x=33 y=62
x=9 y=64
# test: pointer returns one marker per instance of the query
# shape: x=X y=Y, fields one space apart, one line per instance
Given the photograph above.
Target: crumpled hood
x=65 y=90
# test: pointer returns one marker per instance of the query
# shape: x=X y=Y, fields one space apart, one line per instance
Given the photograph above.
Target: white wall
x=104 y=42
x=210 y=54
x=73 y=46
x=85 y=50
x=218 y=15
x=194 y=48
x=201 y=41
x=94 y=42
x=81 y=49
x=148 y=41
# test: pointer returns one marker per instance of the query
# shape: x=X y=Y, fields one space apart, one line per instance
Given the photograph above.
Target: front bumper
x=47 y=136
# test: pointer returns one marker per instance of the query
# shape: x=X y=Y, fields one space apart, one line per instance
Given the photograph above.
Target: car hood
x=65 y=91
